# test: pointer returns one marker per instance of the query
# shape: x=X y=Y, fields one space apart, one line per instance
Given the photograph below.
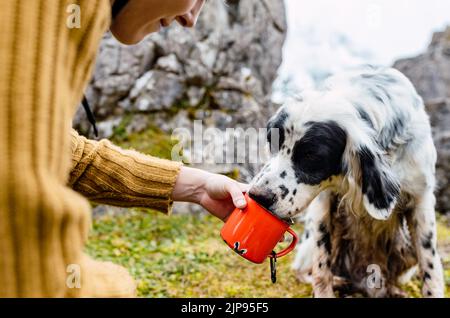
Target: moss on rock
x=152 y=141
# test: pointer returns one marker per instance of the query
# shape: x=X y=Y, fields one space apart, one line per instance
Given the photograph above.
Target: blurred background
x=234 y=70
x=326 y=36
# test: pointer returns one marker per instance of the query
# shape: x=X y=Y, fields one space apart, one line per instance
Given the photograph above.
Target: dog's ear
x=380 y=187
x=275 y=130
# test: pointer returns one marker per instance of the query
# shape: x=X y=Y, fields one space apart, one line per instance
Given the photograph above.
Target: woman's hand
x=218 y=194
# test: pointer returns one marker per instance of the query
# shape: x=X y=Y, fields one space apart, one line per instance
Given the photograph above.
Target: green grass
x=152 y=141
x=184 y=256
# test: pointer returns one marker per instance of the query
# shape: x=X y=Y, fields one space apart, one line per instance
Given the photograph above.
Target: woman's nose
x=188 y=20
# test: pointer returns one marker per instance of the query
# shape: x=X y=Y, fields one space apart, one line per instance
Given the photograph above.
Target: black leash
x=90 y=115
x=116 y=9
x=273 y=267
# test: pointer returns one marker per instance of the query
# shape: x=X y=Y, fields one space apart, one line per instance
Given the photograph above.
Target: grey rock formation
x=439 y=111
x=430 y=73
x=221 y=73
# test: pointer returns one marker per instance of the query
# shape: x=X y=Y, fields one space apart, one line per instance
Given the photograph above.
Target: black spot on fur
x=364 y=116
x=429 y=293
x=392 y=131
x=320 y=265
x=430 y=265
x=318 y=155
x=379 y=189
x=380 y=77
x=375 y=95
x=277 y=124
x=334 y=203
x=283 y=175
x=284 y=191
x=426 y=276
x=327 y=243
x=426 y=242
x=325 y=239
x=329 y=264
x=378 y=91
x=322 y=228
x=294 y=192
x=307 y=235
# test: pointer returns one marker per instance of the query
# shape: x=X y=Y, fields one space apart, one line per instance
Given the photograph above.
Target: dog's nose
x=264 y=197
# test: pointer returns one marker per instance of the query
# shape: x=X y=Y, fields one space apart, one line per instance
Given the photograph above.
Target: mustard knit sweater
x=46 y=169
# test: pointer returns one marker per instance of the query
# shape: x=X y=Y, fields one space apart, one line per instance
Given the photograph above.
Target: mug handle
x=291 y=246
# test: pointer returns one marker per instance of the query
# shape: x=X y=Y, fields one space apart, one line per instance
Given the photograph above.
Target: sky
x=327 y=36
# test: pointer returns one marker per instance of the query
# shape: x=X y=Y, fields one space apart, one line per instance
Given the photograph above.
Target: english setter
x=358 y=156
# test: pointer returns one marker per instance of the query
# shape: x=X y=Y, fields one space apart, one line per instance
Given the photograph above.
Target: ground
x=184 y=256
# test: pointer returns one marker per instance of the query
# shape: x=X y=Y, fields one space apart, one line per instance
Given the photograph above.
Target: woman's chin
x=132 y=38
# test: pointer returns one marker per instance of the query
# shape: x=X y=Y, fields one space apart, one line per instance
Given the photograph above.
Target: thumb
x=236 y=195
x=244 y=187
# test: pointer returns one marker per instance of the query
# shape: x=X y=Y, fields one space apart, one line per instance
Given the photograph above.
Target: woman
x=48 y=172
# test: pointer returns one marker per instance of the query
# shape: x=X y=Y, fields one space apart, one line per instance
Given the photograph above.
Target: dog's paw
x=327 y=293
x=396 y=292
x=304 y=277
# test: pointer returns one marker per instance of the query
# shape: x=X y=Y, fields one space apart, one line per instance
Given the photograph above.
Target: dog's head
x=316 y=149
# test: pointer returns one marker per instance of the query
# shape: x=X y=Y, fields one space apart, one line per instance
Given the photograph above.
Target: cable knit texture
x=46 y=169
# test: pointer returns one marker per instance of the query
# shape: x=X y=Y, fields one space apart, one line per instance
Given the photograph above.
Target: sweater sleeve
x=107 y=174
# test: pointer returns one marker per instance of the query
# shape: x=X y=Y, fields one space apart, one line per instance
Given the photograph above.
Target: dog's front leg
x=423 y=228
x=321 y=269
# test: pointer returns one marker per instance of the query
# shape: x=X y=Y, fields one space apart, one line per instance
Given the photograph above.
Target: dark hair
x=118 y=6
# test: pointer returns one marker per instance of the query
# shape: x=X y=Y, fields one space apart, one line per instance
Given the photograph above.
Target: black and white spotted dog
x=358 y=157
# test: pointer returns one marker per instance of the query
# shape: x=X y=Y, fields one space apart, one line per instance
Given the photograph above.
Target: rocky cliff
x=430 y=73
x=221 y=72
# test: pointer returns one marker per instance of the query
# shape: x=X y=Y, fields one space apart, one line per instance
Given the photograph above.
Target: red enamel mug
x=254 y=232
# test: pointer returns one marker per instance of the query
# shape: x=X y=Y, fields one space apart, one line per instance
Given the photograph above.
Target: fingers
x=234 y=189
x=244 y=187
